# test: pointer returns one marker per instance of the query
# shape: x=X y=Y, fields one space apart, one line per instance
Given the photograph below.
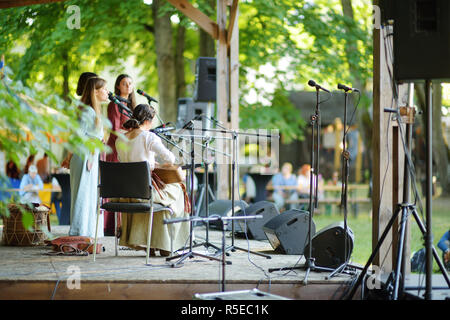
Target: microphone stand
x=313 y=186
x=344 y=192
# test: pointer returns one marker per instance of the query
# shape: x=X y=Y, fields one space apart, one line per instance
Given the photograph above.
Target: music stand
x=190 y=254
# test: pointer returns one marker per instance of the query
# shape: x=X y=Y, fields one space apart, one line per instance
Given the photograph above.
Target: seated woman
x=143 y=145
x=284 y=186
x=30 y=185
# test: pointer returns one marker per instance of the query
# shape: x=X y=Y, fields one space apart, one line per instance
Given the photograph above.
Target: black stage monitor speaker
x=422 y=40
x=188 y=109
x=328 y=246
x=205 y=80
x=288 y=232
x=223 y=208
x=255 y=226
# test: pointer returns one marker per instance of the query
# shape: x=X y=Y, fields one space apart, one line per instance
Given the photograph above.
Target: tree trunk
x=179 y=59
x=165 y=62
x=206 y=45
x=65 y=73
x=363 y=119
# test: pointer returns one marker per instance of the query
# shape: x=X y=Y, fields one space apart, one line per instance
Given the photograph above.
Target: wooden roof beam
x=201 y=19
x=20 y=3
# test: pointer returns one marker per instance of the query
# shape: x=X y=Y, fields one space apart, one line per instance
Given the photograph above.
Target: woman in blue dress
x=84 y=167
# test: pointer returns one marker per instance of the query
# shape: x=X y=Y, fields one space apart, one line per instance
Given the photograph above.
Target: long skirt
x=135 y=226
x=83 y=189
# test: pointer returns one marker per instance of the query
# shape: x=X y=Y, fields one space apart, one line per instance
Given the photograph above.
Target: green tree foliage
x=31 y=121
x=310 y=39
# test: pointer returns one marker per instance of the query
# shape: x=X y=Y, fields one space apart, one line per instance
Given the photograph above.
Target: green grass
x=361 y=225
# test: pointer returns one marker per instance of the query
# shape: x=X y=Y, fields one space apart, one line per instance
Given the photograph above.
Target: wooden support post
x=387 y=153
x=222 y=94
x=233 y=52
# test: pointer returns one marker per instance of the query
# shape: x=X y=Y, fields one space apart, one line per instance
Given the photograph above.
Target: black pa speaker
x=223 y=208
x=328 y=246
x=422 y=40
x=254 y=227
x=205 y=80
x=288 y=232
x=188 y=110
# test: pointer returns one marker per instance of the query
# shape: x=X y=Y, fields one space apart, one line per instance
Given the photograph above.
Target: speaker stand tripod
x=395 y=283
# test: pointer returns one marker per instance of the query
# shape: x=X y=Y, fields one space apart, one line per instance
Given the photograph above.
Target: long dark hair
x=141 y=113
x=84 y=77
x=131 y=96
x=30 y=161
x=88 y=97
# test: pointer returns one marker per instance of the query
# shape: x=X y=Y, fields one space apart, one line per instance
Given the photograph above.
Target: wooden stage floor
x=28 y=273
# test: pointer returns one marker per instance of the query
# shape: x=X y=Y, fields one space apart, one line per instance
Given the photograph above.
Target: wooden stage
x=28 y=273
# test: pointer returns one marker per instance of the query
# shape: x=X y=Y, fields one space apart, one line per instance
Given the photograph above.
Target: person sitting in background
x=30 y=185
x=444 y=245
x=303 y=181
x=30 y=161
x=284 y=186
x=13 y=173
x=335 y=179
x=43 y=167
x=249 y=188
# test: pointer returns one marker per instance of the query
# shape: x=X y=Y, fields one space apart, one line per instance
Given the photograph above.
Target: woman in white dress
x=143 y=145
x=84 y=167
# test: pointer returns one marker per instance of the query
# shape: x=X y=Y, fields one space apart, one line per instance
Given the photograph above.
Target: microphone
x=187 y=125
x=162 y=129
x=122 y=99
x=142 y=93
x=312 y=83
x=114 y=99
x=344 y=87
